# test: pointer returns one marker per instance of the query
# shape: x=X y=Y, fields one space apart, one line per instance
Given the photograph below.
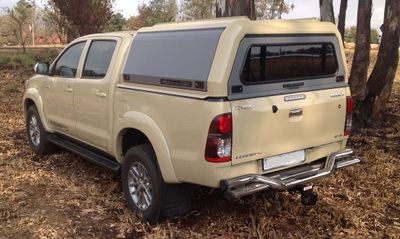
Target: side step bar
x=84 y=152
x=286 y=179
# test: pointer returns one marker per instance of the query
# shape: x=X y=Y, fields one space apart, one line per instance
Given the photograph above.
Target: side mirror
x=41 y=68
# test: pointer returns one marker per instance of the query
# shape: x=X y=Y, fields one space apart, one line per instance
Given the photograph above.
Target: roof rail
x=306 y=19
x=203 y=20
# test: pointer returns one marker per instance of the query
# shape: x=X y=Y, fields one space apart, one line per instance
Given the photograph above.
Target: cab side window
x=67 y=64
x=98 y=59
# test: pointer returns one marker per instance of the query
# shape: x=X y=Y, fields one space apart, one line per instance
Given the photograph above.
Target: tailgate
x=273 y=125
x=287 y=93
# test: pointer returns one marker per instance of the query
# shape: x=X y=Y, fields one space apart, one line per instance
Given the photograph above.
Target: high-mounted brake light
x=349 y=115
x=219 y=139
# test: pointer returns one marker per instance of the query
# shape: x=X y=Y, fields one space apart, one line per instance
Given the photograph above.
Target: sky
x=303 y=9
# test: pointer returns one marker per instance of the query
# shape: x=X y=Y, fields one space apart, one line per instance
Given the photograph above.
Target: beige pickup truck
x=234 y=104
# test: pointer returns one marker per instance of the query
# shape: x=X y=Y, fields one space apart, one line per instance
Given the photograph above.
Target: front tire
x=37 y=135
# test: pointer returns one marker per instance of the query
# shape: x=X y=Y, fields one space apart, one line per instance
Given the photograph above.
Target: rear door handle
x=68 y=89
x=47 y=86
x=102 y=95
x=296 y=112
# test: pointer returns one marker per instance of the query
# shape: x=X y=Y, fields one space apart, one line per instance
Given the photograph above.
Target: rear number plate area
x=283 y=160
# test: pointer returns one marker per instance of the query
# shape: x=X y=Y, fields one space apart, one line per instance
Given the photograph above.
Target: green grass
x=4 y=61
x=17 y=61
x=13 y=61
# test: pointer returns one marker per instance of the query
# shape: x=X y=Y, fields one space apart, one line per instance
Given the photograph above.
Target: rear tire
x=142 y=182
x=37 y=135
x=145 y=190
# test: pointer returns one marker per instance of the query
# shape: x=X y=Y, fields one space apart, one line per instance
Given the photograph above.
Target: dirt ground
x=63 y=196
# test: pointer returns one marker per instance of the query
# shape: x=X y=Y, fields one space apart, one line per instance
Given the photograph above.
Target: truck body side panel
x=183 y=121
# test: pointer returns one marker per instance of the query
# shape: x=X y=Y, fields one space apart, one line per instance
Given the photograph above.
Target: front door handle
x=68 y=89
x=296 y=112
x=47 y=86
x=101 y=95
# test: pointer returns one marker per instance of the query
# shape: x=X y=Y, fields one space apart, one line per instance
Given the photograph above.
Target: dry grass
x=63 y=196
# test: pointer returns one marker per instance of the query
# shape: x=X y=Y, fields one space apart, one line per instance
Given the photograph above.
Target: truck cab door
x=59 y=90
x=92 y=93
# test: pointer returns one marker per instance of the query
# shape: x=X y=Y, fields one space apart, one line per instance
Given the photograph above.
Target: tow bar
x=308 y=196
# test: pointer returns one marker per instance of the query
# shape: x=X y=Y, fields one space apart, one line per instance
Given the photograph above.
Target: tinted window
x=274 y=63
x=68 y=63
x=98 y=59
x=175 y=58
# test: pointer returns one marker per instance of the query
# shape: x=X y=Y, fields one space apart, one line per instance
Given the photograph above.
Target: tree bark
x=228 y=8
x=326 y=10
x=359 y=69
x=380 y=83
x=21 y=37
x=342 y=18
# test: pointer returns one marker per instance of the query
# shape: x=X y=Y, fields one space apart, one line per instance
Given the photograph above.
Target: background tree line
x=63 y=21
x=70 y=19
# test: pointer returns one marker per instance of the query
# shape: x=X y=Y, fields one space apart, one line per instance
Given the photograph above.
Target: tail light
x=349 y=115
x=219 y=140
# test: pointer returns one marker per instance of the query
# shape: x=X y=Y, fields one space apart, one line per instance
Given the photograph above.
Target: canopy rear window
x=286 y=62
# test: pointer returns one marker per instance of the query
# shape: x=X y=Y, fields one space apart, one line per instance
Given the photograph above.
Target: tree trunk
x=342 y=18
x=71 y=33
x=227 y=8
x=21 y=37
x=359 y=69
x=326 y=10
x=379 y=86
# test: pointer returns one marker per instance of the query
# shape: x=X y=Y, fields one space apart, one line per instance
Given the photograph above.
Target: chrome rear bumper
x=286 y=179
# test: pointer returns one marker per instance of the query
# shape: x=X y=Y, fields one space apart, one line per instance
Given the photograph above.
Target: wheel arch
x=136 y=128
x=32 y=97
